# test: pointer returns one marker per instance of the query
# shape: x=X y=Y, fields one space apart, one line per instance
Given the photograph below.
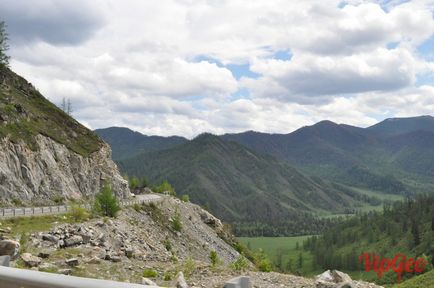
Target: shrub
x=58 y=199
x=106 y=203
x=137 y=207
x=189 y=267
x=168 y=276
x=240 y=264
x=165 y=187
x=167 y=244
x=262 y=262
x=214 y=258
x=78 y=214
x=176 y=222
x=185 y=198
x=133 y=182
x=150 y=273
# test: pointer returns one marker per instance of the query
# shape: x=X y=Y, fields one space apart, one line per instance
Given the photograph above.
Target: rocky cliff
x=46 y=154
x=54 y=172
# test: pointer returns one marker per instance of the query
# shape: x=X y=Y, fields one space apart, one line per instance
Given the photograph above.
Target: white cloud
x=132 y=63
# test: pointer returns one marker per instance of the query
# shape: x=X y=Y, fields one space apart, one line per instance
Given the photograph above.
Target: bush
x=240 y=264
x=106 y=203
x=150 y=273
x=176 y=222
x=214 y=258
x=185 y=198
x=137 y=207
x=262 y=262
x=78 y=214
x=168 y=276
x=133 y=182
x=189 y=267
x=167 y=244
x=165 y=187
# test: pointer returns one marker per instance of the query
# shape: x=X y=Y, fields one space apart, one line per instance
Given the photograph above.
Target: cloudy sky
x=187 y=66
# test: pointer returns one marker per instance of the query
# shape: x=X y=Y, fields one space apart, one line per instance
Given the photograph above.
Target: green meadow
x=285 y=253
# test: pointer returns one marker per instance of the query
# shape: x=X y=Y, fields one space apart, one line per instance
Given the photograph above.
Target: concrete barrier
x=239 y=282
x=19 y=278
x=5 y=260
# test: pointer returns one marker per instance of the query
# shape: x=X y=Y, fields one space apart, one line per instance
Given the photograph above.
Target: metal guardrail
x=60 y=209
x=19 y=278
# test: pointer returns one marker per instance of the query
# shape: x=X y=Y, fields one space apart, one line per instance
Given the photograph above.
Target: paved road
x=60 y=209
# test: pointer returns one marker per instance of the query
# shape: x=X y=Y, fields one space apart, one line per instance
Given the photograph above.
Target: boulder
x=30 y=260
x=180 y=281
x=333 y=279
x=45 y=253
x=9 y=247
x=74 y=240
x=47 y=267
x=50 y=238
x=115 y=259
x=146 y=281
x=65 y=271
x=6 y=230
x=72 y=262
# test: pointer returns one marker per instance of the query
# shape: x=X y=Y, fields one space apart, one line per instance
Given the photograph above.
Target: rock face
x=10 y=248
x=54 y=171
x=44 y=152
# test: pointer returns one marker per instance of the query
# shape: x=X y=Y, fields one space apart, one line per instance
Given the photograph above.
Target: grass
x=29 y=114
x=287 y=248
x=21 y=225
x=424 y=280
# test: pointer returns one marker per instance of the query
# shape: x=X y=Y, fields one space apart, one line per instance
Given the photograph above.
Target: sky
x=183 y=67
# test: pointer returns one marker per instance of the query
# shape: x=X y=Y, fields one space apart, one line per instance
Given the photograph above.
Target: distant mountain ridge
x=241 y=185
x=126 y=143
x=384 y=157
x=323 y=168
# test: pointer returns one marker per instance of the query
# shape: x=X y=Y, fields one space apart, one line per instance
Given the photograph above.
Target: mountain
x=44 y=153
x=126 y=143
x=241 y=185
x=328 y=150
x=393 y=156
x=395 y=126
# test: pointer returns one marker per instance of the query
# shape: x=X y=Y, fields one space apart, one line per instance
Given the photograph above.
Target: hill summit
x=44 y=153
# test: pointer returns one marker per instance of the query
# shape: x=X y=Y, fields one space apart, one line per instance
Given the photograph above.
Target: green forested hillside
x=126 y=143
x=394 y=156
x=405 y=227
x=258 y=194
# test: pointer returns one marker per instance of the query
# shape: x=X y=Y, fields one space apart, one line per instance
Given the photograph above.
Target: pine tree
x=4 y=46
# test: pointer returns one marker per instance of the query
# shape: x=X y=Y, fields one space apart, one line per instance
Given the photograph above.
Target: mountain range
x=241 y=185
x=260 y=178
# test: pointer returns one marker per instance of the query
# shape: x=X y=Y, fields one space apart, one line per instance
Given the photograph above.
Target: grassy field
x=285 y=253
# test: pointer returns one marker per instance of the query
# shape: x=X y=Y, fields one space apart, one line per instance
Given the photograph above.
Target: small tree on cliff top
x=4 y=46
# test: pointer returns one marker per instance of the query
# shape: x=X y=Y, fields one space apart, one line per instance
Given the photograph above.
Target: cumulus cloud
x=52 y=21
x=308 y=74
x=138 y=63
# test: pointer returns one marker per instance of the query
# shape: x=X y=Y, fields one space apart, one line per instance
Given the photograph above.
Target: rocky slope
x=142 y=241
x=45 y=153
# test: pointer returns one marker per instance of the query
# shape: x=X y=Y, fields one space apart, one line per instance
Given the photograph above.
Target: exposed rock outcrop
x=44 y=152
x=10 y=248
x=54 y=171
